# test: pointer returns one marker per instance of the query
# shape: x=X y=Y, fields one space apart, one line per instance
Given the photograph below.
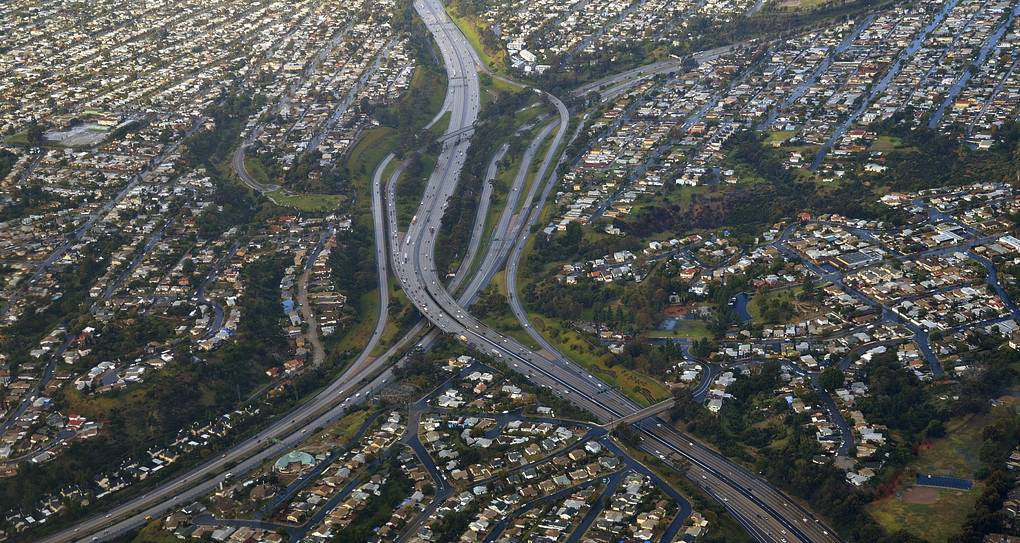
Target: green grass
x=642 y=388
x=503 y=85
x=18 y=138
x=441 y=125
x=812 y=4
x=503 y=319
x=754 y=306
x=393 y=331
x=98 y=407
x=528 y=115
x=536 y=164
x=954 y=455
x=692 y=329
x=501 y=184
x=344 y=429
x=388 y=171
x=957 y=453
x=257 y=170
x=884 y=144
x=801 y=5
x=374 y=144
x=778 y=136
x=372 y=147
x=435 y=84
x=309 y=202
x=410 y=190
x=154 y=533
x=472 y=29
x=368 y=310
x=492 y=88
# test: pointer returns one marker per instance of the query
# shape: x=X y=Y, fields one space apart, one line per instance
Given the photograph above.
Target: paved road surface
x=766 y=513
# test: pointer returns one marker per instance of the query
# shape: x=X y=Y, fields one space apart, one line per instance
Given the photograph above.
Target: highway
x=365 y=375
x=617 y=83
x=484 y=202
x=509 y=223
x=768 y=514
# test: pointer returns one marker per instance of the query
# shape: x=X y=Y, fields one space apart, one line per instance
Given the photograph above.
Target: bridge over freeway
x=456 y=134
x=650 y=411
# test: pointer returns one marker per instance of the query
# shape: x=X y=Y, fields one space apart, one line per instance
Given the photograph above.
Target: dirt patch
x=920 y=495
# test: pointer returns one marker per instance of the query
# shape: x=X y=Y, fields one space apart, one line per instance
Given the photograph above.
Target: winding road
x=766 y=513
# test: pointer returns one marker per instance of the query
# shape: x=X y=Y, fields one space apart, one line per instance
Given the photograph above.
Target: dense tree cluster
x=737 y=424
x=1000 y=438
x=353 y=264
x=233 y=205
x=7 y=161
x=775 y=309
x=229 y=114
x=924 y=159
x=25 y=200
x=897 y=399
x=783 y=451
x=495 y=125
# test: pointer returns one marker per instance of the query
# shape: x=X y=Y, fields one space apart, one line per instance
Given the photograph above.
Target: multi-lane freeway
x=766 y=513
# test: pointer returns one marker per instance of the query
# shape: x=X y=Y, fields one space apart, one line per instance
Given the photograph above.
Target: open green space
x=931 y=513
x=595 y=358
x=778 y=136
x=257 y=170
x=472 y=28
x=18 y=138
x=411 y=185
x=344 y=429
x=368 y=310
x=503 y=180
x=802 y=5
x=536 y=164
x=491 y=88
x=402 y=315
x=373 y=146
x=153 y=532
x=441 y=125
x=886 y=143
x=310 y=202
x=494 y=310
x=693 y=329
x=400 y=124
x=775 y=306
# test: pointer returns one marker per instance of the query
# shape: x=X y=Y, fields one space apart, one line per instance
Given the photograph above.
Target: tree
x=831 y=378
x=935 y=429
x=34 y=133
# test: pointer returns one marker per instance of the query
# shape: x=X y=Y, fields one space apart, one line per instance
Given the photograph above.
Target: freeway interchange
x=766 y=513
